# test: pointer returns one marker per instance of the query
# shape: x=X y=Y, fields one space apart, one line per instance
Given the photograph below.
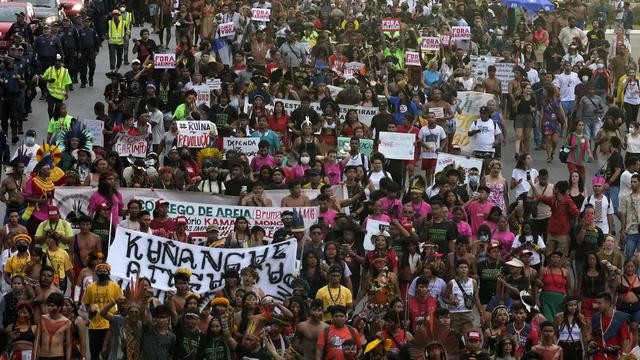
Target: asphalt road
x=81 y=101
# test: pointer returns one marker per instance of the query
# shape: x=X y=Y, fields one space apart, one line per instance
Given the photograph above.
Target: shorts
x=429 y=163
x=523 y=121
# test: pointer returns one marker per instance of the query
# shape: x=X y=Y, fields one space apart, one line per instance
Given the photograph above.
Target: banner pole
x=110 y=229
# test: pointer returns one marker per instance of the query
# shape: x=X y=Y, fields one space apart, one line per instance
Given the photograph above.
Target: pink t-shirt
x=391 y=207
x=298 y=171
x=97 y=199
x=463 y=228
x=258 y=162
x=506 y=239
x=329 y=216
x=477 y=213
x=333 y=171
x=421 y=210
x=381 y=217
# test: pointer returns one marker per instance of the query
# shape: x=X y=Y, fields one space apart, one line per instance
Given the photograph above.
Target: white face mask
x=585 y=78
x=30 y=140
x=123 y=9
x=305 y=160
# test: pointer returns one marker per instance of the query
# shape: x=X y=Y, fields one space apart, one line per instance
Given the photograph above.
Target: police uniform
x=69 y=39
x=46 y=48
x=10 y=87
x=89 y=45
x=27 y=64
x=23 y=29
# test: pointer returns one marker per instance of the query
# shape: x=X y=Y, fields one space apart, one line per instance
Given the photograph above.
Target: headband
x=597 y=180
x=103 y=266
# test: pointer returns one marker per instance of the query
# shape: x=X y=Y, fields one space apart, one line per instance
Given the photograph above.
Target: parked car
x=8 y=11
x=73 y=7
x=48 y=11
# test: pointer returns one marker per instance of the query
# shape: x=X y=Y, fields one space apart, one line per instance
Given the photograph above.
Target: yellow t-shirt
x=330 y=297
x=98 y=296
x=16 y=265
x=60 y=261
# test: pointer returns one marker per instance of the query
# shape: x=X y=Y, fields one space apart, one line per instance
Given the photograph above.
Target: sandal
x=549 y=159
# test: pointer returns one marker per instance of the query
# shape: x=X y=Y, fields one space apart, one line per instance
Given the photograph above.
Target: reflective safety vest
x=127 y=22
x=56 y=88
x=116 y=32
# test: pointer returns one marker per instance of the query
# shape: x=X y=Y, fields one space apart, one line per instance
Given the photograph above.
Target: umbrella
x=531 y=5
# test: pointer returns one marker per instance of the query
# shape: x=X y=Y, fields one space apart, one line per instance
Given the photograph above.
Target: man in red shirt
x=562 y=210
x=610 y=334
x=161 y=219
x=423 y=305
x=330 y=341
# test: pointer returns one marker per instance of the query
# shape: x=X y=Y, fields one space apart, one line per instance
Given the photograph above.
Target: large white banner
x=399 y=146
x=134 y=253
x=365 y=113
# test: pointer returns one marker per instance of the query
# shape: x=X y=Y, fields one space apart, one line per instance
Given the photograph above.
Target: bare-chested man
x=307 y=332
x=11 y=188
x=53 y=336
x=492 y=85
x=11 y=228
x=183 y=288
x=295 y=198
x=440 y=107
x=43 y=291
x=82 y=244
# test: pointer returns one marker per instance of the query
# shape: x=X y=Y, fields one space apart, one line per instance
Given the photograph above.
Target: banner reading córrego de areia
x=202 y=215
x=134 y=253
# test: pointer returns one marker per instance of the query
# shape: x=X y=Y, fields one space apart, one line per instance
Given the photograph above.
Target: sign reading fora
x=164 y=61
x=391 y=24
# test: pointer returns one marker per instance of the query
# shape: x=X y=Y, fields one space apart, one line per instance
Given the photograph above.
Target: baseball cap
x=161 y=202
x=182 y=220
x=493 y=245
x=135 y=61
x=213 y=227
x=54 y=212
x=526 y=252
x=473 y=335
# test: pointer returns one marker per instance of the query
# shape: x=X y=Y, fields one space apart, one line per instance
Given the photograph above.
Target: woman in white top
x=211 y=182
x=572 y=329
x=454 y=296
x=521 y=174
x=632 y=142
x=629 y=88
x=377 y=172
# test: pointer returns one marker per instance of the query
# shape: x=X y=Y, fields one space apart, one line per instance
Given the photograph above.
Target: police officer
x=69 y=39
x=89 y=47
x=46 y=46
x=25 y=60
x=11 y=84
x=20 y=27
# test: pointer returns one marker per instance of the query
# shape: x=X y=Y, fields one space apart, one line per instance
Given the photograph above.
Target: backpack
x=326 y=338
x=608 y=201
x=495 y=127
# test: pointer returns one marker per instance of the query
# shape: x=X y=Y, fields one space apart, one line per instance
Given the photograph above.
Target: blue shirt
x=430 y=77
x=401 y=109
x=270 y=137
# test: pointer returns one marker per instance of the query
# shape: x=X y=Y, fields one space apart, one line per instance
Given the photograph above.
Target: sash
x=617 y=320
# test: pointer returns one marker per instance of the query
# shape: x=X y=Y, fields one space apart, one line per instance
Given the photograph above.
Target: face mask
x=484 y=237
x=122 y=9
x=305 y=160
x=103 y=277
x=22 y=248
x=474 y=178
x=30 y=140
x=600 y=66
x=585 y=78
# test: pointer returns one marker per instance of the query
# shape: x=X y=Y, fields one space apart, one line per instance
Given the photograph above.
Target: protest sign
x=248 y=146
x=465 y=162
x=134 y=254
x=214 y=84
x=445 y=40
x=227 y=29
x=396 y=145
x=365 y=113
x=374 y=227
x=203 y=94
x=193 y=134
x=412 y=58
x=479 y=70
x=96 y=128
x=202 y=215
x=430 y=43
x=258 y=14
x=351 y=68
x=470 y=102
x=164 y=61
x=73 y=201
x=460 y=33
x=391 y=24
x=437 y=111
x=127 y=145
x=504 y=72
x=366 y=145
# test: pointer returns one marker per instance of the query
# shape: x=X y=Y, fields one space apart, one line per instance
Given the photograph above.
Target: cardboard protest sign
x=391 y=24
x=412 y=58
x=366 y=145
x=194 y=134
x=127 y=145
x=396 y=145
x=248 y=146
x=365 y=113
x=164 y=61
x=430 y=43
x=258 y=14
x=214 y=84
x=351 y=68
x=96 y=128
x=203 y=94
x=460 y=33
x=464 y=162
x=445 y=40
x=134 y=254
x=227 y=29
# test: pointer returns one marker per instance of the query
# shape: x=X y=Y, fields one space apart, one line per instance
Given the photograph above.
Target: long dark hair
x=105 y=189
x=244 y=314
x=580 y=181
x=520 y=162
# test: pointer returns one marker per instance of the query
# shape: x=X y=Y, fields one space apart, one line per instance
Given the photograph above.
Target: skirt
x=550 y=303
x=524 y=121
